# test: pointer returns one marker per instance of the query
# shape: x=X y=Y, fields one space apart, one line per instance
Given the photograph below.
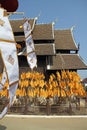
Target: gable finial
x=72 y=28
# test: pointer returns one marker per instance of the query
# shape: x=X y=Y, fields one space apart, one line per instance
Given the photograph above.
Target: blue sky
x=66 y=13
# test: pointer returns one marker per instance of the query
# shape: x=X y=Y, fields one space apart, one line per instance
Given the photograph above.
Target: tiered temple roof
x=64 y=40
x=43 y=32
x=53 y=47
x=45 y=49
x=68 y=61
x=19 y=22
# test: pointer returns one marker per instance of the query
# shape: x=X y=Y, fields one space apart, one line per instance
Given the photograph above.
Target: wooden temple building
x=55 y=49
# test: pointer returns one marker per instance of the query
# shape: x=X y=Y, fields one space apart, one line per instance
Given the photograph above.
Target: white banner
x=3 y=80
x=27 y=29
x=29 y=44
x=10 y=60
x=32 y=60
x=31 y=56
x=9 y=56
x=5 y=30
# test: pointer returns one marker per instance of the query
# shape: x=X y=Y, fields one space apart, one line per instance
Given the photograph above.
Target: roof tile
x=17 y=23
x=64 y=40
x=68 y=61
x=43 y=32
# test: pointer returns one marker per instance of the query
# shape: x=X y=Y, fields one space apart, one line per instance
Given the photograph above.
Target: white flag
x=10 y=60
x=31 y=56
x=5 y=30
x=32 y=60
x=27 y=29
x=3 y=80
x=29 y=44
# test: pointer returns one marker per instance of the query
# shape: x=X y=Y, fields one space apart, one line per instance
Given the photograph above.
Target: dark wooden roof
x=43 y=32
x=17 y=23
x=68 y=61
x=64 y=40
x=40 y=31
x=45 y=49
x=42 y=49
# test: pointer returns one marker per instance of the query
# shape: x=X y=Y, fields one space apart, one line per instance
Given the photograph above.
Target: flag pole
x=12 y=13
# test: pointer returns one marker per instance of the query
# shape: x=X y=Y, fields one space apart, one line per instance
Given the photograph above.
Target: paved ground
x=43 y=123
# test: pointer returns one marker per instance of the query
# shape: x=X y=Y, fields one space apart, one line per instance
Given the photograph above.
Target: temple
x=55 y=49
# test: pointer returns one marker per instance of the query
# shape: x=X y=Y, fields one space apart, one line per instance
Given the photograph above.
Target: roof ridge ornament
x=39 y=15
x=55 y=21
x=35 y=19
x=72 y=28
